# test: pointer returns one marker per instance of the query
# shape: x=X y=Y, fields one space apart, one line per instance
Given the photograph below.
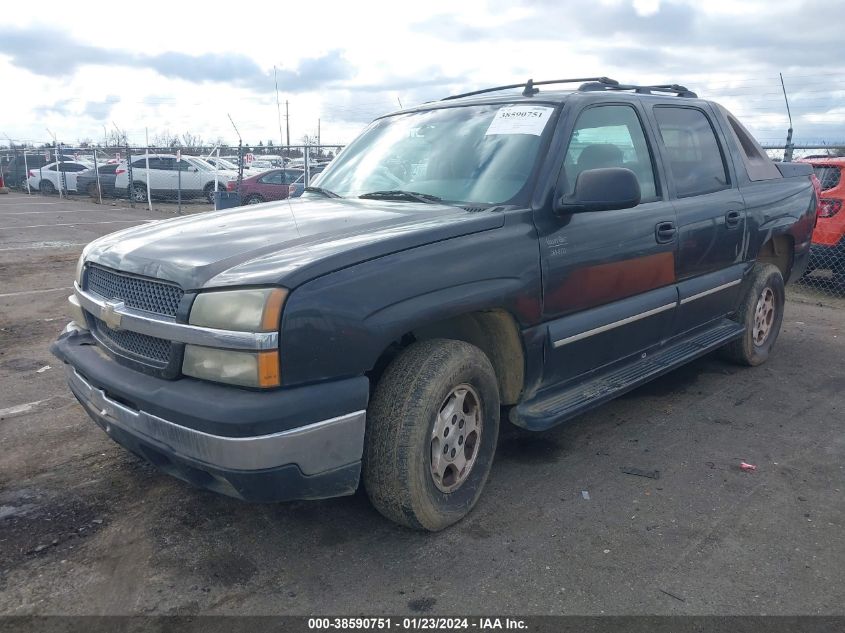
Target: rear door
x=710 y=209
x=608 y=276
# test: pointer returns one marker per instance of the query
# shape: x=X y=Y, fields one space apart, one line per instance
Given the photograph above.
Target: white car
x=166 y=174
x=46 y=179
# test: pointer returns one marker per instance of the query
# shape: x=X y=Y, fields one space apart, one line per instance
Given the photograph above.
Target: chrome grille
x=143 y=347
x=136 y=292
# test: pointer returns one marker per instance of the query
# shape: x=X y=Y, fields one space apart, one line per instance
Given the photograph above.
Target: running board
x=550 y=409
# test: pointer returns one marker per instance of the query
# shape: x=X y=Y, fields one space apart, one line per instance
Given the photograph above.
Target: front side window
x=469 y=154
x=692 y=151
x=610 y=136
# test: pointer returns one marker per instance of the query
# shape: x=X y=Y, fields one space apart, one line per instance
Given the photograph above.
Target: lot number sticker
x=520 y=119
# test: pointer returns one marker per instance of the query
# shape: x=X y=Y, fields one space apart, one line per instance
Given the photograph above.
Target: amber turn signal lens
x=268 y=369
x=273 y=309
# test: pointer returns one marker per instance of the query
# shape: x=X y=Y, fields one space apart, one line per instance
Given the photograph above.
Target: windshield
x=222 y=163
x=199 y=163
x=471 y=154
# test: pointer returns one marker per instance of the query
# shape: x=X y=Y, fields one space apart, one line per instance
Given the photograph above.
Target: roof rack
x=677 y=90
x=588 y=84
x=530 y=90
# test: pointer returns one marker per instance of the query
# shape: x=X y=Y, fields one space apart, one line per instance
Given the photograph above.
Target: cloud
x=34 y=49
x=100 y=110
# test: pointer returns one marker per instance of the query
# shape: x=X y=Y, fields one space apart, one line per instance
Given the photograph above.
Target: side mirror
x=602 y=189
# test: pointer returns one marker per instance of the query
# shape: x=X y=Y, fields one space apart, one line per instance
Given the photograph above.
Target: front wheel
x=138 y=192
x=761 y=312
x=432 y=429
x=209 y=193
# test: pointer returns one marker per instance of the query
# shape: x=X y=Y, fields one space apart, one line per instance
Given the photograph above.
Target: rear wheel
x=432 y=429
x=47 y=187
x=92 y=190
x=138 y=192
x=209 y=193
x=254 y=199
x=761 y=312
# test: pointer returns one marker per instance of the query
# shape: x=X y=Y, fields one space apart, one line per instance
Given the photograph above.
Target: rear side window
x=273 y=178
x=758 y=165
x=692 y=151
x=829 y=176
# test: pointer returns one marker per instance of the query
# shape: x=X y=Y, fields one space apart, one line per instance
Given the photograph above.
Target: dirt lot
x=86 y=528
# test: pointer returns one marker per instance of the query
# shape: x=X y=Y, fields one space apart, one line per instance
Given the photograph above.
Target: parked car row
x=169 y=177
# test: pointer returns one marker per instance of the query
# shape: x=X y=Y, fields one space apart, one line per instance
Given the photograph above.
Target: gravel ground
x=87 y=528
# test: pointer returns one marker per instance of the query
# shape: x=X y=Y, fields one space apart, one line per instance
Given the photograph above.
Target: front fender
x=339 y=324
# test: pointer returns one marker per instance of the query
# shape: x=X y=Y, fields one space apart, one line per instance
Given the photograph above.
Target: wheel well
x=778 y=250
x=494 y=332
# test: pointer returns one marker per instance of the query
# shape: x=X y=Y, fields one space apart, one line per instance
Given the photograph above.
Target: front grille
x=136 y=292
x=141 y=346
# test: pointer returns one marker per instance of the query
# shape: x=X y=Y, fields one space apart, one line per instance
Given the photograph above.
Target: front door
x=711 y=215
x=608 y=276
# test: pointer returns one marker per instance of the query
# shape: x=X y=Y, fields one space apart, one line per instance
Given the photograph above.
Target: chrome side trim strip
x=167 y=328
x=615 y=324
x=315 y=447
x=711 y=291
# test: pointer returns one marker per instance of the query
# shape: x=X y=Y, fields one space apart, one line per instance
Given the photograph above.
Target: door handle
x=733 y=218
x=664 y=232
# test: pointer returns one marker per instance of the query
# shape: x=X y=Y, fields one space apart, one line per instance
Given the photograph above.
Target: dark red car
x=266 y=186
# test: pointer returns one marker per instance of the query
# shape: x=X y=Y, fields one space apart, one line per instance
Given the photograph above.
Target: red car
x=828 y=249
x=266 y=186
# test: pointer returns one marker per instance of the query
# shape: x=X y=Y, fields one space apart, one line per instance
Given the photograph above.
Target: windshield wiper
x=399 y=194
x=320 y=190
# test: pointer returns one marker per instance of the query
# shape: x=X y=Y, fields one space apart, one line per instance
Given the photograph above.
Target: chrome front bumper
x=314 y=448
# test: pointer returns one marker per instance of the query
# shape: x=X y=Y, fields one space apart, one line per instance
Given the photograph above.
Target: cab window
x=610 y=136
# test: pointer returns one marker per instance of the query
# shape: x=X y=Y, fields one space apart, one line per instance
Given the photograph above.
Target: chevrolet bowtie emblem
x=109 y=314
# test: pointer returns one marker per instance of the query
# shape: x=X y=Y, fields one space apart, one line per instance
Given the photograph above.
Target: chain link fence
x=196 y=179
x=192 y=178
x=824 y=279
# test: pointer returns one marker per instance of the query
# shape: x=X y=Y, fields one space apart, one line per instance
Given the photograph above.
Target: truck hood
x=284 y=243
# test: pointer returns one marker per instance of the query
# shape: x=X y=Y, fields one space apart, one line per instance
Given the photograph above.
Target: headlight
x=255 y=310
x=80 y=264
x=248 y=369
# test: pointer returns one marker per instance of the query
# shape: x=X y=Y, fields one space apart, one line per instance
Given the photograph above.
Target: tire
x=92 y=190
x=209 y=193
x=406 y=411
x=254 y=199
x=47 y=187
x=761 y=312
x=138 y=192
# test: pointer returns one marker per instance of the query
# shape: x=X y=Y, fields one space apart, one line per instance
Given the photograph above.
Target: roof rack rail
x=588 y=84
x=677 y=90
x=530 y=90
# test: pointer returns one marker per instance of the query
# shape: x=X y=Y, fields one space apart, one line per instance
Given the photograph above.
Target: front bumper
x=298 y=443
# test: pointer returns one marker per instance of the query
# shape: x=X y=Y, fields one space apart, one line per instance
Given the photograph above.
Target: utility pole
x=287 y=126
x=278 y=107
x=319 y=151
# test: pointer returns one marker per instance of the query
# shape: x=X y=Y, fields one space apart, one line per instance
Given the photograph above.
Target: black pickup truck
x=507 y=252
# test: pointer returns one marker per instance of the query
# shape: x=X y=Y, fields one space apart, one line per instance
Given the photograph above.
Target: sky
x=80 y=71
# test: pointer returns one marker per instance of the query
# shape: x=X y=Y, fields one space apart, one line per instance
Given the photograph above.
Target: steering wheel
x=384 y=172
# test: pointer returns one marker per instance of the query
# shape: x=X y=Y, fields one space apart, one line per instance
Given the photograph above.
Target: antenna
x=236 y=128
x=240 y=152
x=789 y=147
